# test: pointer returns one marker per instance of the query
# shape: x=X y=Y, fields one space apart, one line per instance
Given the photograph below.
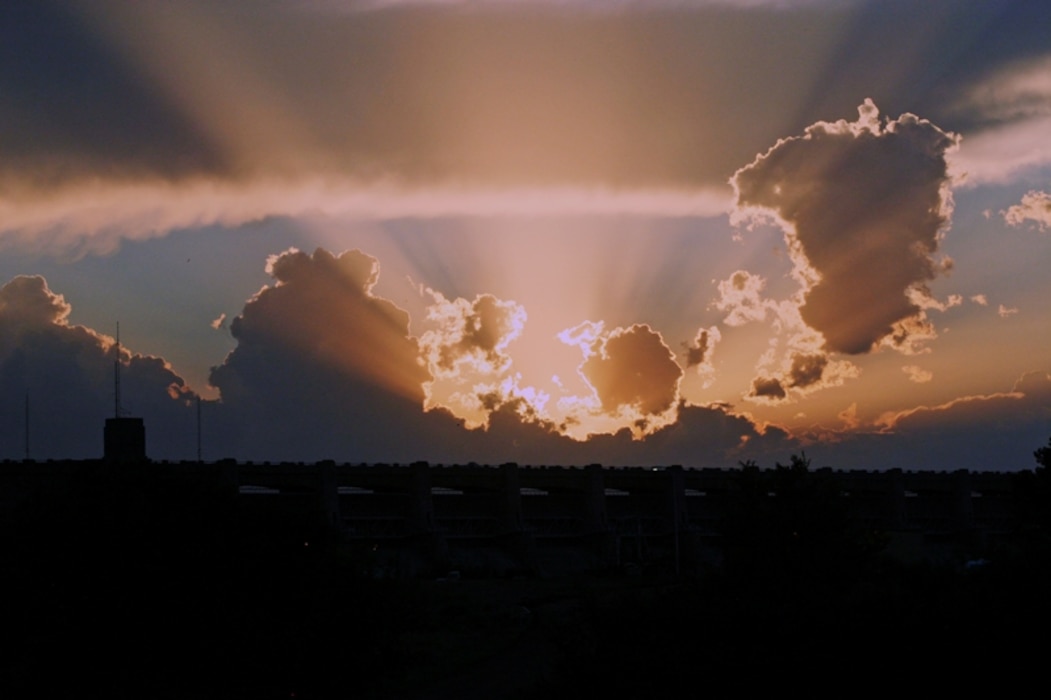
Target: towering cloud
x=322 y=310
x=321 y=364
x=863 y=205
x=66 y=373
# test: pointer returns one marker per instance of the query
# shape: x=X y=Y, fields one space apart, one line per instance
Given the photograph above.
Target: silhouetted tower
x=124 y=439
x=27 y=426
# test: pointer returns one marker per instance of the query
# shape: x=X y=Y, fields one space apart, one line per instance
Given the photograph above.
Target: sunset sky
x=627 y=232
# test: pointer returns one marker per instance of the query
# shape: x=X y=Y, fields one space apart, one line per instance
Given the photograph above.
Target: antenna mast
x=199 y=428
x=27 y=426
x=116 y=377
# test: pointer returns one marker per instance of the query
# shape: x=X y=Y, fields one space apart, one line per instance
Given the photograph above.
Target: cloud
x=768 y=388
x=1035 y=207
x=741 y=295
x=321 y=310
x=633 y=376
x=1029 y=401
x=1006 y=311
x=219 y=322
x=633 y=368
x=95 y=216
x=863 y=205
x=67 y=373
x=466 y=352
x=917 y=374
x=807 y=370
x=475 y=333
x=27 y=303
x=980 y=299
x=292 y=389
x=1012 y=106
x=602 y=6
x=802 y=373
x=322 y=366
x=700 y=353
x=285 y=396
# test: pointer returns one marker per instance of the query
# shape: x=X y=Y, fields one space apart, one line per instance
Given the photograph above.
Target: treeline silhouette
x=122 y=585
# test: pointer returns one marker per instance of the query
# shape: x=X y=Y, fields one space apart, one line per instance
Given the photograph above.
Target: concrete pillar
x=963 y=506
x=421 y=505
x=594 y=499
x=511 y=512
x=328 y=494
x=895 y=490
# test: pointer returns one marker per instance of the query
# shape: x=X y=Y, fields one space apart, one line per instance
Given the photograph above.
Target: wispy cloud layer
x=96 y=217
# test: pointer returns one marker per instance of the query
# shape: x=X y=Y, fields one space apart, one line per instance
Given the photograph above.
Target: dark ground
x=115 y=587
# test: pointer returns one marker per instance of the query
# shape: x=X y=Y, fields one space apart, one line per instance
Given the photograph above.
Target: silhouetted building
x=124 y=440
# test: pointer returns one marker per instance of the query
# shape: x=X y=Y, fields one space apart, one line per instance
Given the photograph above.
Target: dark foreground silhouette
x=119 y=586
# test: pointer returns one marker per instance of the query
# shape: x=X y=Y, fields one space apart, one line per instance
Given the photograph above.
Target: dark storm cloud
x=67 y=374
x=865 y=203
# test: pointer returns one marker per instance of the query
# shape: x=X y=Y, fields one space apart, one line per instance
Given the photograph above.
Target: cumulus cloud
x=219 y=322
x=292 y=388
x=321 y=309
x=471 y=332
x=67 y=373
x=701 y=351
x=803 y=373
x=917 y=374
x=741 y=296
x=864 y=205
x=807 y=370
x=1035 y=207
x=768 y=388
x=632 y=367
x=1006 y=311
x=466 y=352
x=980 y=299
x=632 y=372
x=322 y=364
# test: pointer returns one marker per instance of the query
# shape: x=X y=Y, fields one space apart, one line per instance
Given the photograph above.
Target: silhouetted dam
x=552 y=518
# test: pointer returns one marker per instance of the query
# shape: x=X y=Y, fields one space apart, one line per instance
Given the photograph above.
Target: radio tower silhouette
x=116 y=376
x=124 y=439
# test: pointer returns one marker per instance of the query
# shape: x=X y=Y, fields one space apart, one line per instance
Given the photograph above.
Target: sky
x=562 y=232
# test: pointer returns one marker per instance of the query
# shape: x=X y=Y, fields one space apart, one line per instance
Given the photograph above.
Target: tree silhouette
x=1043 y=455
x=789 y=530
